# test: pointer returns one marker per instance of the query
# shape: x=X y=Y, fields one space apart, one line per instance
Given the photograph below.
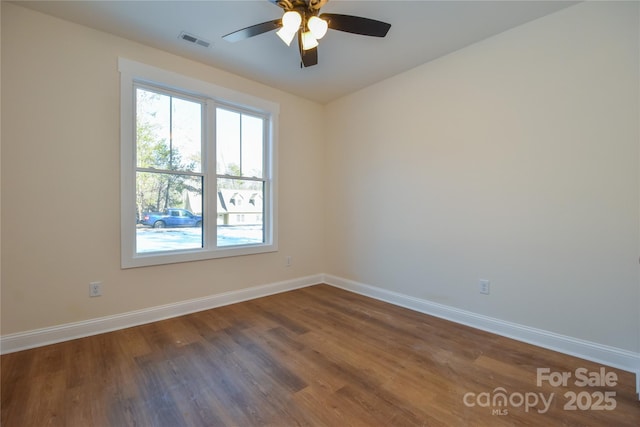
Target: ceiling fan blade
x=253 y=30
x=308 y=57
x=356 y=24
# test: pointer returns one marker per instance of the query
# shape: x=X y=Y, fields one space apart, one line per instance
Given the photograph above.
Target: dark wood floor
x=318 y=356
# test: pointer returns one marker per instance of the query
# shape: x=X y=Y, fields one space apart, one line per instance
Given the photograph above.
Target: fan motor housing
x=314 y=5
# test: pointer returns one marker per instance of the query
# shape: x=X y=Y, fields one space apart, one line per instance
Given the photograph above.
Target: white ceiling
x=421 y=31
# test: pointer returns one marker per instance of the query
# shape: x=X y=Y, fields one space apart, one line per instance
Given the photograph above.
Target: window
x=169 y=173
x=198 y=168
x=240 y=166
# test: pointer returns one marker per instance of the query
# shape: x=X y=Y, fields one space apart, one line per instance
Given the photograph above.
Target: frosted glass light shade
x=308 y=41
x=286 y=35
x=291 y=21
x=318 y=27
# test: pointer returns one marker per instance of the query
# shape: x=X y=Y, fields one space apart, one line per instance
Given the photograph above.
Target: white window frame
x=132 y=72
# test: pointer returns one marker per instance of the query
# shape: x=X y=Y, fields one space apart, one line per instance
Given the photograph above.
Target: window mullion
x=241 y=136
x=211 y=184
x=169 y=172
x=171 y=133
x=243 y=178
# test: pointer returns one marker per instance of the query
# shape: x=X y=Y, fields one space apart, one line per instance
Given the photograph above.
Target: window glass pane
x=228 y=142
x=186 y=135
x=169 y=132
x=169 y=212
x=152 y=129
x=252 y=143
x=240 y=212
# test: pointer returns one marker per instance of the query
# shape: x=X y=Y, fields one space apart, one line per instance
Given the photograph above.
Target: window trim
x=132 y=72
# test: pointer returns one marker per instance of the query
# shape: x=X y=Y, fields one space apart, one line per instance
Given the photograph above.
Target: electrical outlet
x=287 y=261
x=484 y=286
x=95 y=289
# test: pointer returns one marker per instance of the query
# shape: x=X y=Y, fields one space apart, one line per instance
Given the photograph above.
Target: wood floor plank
x=317 y=356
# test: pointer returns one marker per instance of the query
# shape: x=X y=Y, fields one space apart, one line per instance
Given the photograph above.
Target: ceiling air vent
x=193 y=39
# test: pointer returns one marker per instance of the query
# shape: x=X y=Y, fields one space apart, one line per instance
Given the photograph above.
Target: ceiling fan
x=303 y=18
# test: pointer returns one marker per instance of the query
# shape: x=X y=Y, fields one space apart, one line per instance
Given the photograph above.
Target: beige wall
x=61 y=177
x=513 y=160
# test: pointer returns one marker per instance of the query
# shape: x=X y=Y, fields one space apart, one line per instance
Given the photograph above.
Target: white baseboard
x=55 y=334
x=599 y=353
x=611 y=356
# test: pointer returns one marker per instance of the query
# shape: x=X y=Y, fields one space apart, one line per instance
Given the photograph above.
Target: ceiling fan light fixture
x=308 y=41
x=302 y=18
x=318 y=27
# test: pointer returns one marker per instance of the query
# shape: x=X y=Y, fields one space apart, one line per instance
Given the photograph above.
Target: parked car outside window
x=172 y=217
